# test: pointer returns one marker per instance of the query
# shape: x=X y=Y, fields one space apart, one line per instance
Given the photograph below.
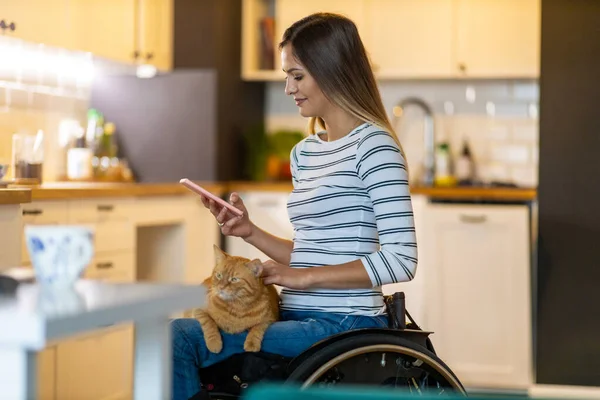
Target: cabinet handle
x=149 y=56
x=473 y=219
x=462 y=67
x=32 y=212
x=12 y=26
x=105 y=265
x=105 y=207
x=135 y=55
x=3 y=25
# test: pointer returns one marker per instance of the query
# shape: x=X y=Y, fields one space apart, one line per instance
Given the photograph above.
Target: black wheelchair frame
x=358 y=355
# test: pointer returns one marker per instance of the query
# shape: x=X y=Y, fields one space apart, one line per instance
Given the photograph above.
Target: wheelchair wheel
x=381 y=360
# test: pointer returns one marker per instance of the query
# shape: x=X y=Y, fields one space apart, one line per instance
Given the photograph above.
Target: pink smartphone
x=203 y=192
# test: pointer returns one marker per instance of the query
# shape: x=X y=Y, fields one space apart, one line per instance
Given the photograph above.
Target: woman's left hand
x=282 y=275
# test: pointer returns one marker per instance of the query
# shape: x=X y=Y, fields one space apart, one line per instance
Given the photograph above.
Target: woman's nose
x=289 y=88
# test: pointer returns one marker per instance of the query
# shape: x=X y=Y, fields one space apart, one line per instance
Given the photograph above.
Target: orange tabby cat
x=237 y=301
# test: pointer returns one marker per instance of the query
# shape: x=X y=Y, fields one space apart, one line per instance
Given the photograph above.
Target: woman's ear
x=255 y=267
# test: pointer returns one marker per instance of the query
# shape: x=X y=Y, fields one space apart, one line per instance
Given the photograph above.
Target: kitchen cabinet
x=106 y=28
x=39 y=21
x=478 y=296
x=410 y=38
x=415 y=39
x=289 y=11
x=127 y=31
x=96 y=366
x=156 y=33
x=498 y=38
x=167 y=236
x=45 y=370
x=10 y=221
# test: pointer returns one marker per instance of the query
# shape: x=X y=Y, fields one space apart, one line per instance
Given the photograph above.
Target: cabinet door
x=46 y=360
x=39 y=21
x=10 y=225
x=478 y=292
x=498 y=38
x=156 y=33
x=106 y=28
x=289 y=11
x=96 y=367
x=410 y=38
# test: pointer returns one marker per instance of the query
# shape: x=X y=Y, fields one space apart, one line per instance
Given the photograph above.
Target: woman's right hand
x=231 y=225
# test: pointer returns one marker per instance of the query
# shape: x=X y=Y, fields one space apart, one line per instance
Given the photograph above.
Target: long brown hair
x=330 y=48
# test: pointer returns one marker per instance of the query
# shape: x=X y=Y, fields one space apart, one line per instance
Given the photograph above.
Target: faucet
x=428 y=134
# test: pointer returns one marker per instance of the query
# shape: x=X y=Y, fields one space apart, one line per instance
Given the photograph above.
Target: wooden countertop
x=477 y=193
x=15 y=196
x=68 y=190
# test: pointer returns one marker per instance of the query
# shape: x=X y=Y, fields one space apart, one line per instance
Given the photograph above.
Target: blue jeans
x=294 y=333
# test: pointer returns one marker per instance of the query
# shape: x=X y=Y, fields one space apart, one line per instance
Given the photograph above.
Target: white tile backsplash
x=504 y=145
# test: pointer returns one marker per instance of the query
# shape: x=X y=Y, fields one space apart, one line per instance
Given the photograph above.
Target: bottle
x=465 y=168
x=443 y=166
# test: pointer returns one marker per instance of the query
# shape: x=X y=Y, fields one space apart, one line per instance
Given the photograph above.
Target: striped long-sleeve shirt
x=351 y=201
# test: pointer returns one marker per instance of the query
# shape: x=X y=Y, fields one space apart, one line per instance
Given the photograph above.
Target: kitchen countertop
x=450 y=193
x=477 y=193
x=15 y=196
x=66 y=190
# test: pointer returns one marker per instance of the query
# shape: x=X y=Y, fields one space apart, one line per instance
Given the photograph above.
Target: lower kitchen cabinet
x=97 y=366
x=477 y=290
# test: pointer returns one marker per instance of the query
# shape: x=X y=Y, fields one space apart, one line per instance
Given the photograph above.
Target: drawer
x=100 y=210
x=42 y=213
x=45 y=212
x=118 y=267
x=110 y=236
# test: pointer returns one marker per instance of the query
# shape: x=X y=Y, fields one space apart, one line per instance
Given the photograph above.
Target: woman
x=350 y=206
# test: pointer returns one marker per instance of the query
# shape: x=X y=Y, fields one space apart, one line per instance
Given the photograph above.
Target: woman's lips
x=299 y=102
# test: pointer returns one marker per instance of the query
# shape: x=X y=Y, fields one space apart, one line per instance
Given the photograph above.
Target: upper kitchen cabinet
x=289 y=11
x=498 y=38
x=127 y=31
x=263 y=25
x=106 y=28
x=408 y=38
x=156 y=33
x=38 y=21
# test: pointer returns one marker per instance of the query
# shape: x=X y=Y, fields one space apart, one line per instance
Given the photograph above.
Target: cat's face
x=235 y=278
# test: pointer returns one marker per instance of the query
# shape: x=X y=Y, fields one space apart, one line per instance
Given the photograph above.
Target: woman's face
x=298 y=83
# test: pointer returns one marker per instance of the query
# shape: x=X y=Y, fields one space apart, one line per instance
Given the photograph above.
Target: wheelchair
x=400 y=356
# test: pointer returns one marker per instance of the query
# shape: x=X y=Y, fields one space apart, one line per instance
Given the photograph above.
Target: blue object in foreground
x=287 y=392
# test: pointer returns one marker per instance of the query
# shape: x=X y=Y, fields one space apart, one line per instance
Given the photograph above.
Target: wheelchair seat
x=400 y=356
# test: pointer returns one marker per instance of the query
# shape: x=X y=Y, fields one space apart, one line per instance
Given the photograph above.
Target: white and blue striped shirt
x=351 y=200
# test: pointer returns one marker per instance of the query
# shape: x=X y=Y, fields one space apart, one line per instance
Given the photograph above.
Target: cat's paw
x=214 y=345
x=252 y=344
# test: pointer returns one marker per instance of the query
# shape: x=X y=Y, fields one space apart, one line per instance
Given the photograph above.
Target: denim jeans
x=294 y=333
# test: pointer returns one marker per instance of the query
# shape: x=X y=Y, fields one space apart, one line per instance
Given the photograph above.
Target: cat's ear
x=220 y=255
x=255 y=267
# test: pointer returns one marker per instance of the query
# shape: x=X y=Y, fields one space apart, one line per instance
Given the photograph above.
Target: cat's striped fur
x=237 y=301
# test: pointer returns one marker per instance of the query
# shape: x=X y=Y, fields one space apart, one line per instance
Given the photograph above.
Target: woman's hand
x=231 y=224
x=282 y=275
